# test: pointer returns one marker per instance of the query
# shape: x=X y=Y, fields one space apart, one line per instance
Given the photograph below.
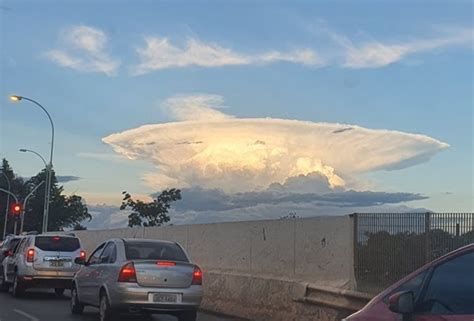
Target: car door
x=86 y=277
x=449 y=293
x=13 y=260
x=106 y=267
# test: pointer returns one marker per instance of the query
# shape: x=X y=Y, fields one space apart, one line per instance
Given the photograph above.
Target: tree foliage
x=65 y=211
x=154 y=213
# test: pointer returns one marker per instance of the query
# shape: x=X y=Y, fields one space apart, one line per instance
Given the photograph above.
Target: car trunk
x=152 y=273
x=56 y=253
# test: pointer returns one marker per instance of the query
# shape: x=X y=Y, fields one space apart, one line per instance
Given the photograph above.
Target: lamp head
x=15 y=98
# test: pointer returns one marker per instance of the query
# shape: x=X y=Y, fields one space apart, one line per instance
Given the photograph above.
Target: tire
x=4 y=286
x=187 y=316
x=106 y=313
x=76 y=306
x=18 y=288
x=59 y=291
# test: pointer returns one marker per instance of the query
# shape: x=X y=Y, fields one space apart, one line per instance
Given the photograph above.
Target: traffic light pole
x=16 y=201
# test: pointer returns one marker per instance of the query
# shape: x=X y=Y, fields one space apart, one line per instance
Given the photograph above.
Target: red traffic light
x=16 y=209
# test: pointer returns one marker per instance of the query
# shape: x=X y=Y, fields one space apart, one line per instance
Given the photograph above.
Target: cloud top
x=239 y=154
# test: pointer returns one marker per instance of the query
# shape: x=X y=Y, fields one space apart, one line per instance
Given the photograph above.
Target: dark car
x=442 y=290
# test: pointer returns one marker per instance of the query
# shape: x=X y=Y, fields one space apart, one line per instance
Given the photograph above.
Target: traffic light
x=17 y=209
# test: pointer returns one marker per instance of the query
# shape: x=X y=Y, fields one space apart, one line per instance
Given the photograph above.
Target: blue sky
x=419 y=80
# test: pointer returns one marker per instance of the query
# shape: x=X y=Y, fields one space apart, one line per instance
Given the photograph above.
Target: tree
x=65 y=211
x=154 y=213
x=17 y=187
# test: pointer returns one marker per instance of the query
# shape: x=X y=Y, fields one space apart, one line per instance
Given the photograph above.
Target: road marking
x=23 y=313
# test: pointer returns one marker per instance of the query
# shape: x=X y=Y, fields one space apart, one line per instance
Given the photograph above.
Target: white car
x=43 y=261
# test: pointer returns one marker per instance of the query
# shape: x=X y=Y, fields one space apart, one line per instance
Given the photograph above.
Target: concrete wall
x=256 y=269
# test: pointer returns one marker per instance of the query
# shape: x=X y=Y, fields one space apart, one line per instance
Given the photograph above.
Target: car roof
x=147 y=240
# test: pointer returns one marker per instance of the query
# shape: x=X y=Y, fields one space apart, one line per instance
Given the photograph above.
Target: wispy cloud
x=376 y=54
x=160 y=53
x=67 y=178
x=83 y=48
x=102 y=157
x=196 y=107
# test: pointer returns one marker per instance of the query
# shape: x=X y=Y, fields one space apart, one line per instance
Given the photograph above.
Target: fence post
x=355 y=241
x=427 y=237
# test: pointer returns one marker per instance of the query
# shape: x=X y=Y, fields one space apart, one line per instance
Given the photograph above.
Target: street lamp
x=49 y=166
x=7 y=207
x=24 y=150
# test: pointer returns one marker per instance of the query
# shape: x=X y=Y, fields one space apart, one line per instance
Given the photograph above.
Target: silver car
x=43 y=261
x=138 y=276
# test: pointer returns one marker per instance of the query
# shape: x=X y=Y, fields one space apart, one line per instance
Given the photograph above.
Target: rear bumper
x=46 y=282
x=134 y=297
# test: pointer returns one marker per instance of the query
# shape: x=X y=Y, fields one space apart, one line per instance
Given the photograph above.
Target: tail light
x=197 y=276
x=30 y=256
x=166 y=263
x=128 y=273
x=82 y=255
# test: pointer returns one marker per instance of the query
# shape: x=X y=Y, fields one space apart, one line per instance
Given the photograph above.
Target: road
x=46 y=306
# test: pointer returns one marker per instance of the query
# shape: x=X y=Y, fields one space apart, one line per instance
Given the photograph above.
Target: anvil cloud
x=207 y=148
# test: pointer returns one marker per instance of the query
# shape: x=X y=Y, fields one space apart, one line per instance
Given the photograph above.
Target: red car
x=442 y=290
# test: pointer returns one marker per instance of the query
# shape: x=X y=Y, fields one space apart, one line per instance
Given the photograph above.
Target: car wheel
x=76 y=306
x=105 y=311
x=59 y=291
x=187 y=316
x=18 y=288
x=4 y=286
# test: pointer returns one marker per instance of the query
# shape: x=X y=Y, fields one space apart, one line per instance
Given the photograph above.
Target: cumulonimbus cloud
x=239 y=154
x=83 y=48
x=159 y=53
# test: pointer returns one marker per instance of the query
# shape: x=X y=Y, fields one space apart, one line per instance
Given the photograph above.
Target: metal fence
x=388 y=246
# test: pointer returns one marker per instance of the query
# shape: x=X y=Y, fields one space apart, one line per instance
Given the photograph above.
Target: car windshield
x=154 y=251
x=57 y=243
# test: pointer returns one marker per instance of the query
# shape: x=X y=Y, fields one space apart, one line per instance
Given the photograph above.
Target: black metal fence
x=389 y=246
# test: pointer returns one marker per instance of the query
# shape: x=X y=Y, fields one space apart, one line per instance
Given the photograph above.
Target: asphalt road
x=46 y=306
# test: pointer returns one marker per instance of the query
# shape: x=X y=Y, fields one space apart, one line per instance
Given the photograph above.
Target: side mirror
x=7 y=253
x=402 y=302
x=80 y=261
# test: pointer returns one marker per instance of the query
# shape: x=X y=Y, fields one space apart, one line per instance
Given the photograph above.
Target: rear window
x=11 y=245
x=154 y=251
x=57 y=243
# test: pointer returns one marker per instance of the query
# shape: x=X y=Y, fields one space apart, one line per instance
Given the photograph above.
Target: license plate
x=165 y=298
x=56 y=263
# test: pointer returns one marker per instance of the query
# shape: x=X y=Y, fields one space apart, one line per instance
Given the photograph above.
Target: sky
x=253 y=109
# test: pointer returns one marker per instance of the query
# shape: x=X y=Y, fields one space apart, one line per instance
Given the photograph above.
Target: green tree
x=17 y=187
x=154 y=213
x=65 y=211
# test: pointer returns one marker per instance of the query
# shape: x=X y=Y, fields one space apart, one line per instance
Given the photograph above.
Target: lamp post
x=25 y=202
x=7 y=207
x=16 y=204
x=49 y=166
x=25 y=150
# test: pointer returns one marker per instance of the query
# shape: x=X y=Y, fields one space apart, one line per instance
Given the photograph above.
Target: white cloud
x=159 y=53
x=83 y=49
x=196 y=107
x=102 y=157
x=375 y=54
x=239 y=155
